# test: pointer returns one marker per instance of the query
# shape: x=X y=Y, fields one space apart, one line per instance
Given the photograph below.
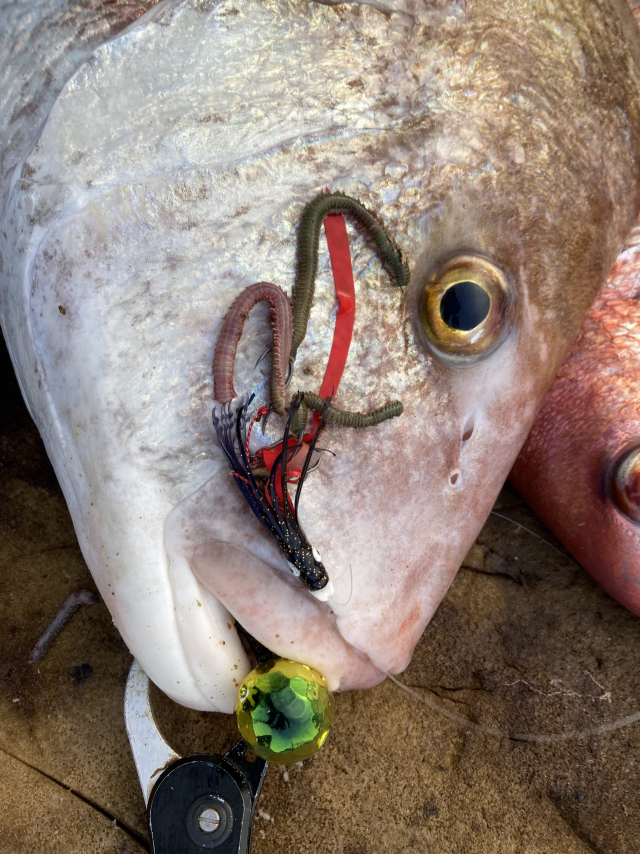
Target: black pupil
x=464 y=306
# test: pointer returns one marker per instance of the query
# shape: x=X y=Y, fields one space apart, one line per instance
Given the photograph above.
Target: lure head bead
x=284 y=711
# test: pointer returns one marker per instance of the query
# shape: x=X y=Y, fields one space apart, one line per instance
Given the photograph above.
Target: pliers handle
x=196 y=803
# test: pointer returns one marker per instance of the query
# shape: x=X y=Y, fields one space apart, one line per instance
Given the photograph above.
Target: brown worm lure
x=232 y=326
x=309 y=400
x=289 y=323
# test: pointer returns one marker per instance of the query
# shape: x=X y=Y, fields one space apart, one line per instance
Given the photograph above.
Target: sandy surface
x=524 y=643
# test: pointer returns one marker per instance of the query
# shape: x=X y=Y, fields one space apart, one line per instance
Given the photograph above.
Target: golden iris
x=465 y=306
x=284 y=710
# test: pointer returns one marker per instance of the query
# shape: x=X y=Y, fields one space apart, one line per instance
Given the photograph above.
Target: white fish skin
x=42 y=43
x=171 y=172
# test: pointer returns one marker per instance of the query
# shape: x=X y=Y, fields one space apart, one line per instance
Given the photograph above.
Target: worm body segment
x=307 y=259
x=346 y=418
x=232 y=326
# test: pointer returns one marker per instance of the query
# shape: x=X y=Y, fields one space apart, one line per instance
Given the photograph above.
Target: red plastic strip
x=338 y=242
x=271 y=455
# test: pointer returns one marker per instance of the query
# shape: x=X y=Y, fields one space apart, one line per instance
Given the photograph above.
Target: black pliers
x=196 y=804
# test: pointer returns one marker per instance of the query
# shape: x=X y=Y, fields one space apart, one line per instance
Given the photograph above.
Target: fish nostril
x=626 y=484
x=455 y=478
x=468 y=430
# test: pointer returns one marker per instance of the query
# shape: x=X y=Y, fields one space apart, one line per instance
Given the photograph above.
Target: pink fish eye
x=626 y=484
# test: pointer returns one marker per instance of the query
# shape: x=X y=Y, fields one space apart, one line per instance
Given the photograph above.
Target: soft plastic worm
x=307 y=260
x=232 y=326
x=344 y=417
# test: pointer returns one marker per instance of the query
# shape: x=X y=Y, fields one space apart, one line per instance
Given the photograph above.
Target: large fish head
x=497 y=143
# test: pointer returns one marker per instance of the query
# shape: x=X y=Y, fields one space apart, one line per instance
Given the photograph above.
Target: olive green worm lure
x=309 y=400
x=307 y=262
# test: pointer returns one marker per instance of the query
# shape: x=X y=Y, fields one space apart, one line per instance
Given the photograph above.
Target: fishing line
x=541 y=738
x=537 y=536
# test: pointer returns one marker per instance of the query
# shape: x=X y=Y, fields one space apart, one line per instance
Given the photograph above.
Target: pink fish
x=580 y=466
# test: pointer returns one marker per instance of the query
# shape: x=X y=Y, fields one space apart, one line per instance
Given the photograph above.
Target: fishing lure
x=264 y=485
x=276 y=512
x=307 y=257
x=232 y=326
x=344 y=417
x=281 y=323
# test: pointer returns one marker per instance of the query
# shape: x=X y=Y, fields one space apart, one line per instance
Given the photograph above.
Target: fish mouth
x=251 y=585
x=281 y=614
x=372 y=540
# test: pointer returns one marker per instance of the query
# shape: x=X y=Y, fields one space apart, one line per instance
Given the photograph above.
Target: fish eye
x=625 y=484
x=465 y=307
